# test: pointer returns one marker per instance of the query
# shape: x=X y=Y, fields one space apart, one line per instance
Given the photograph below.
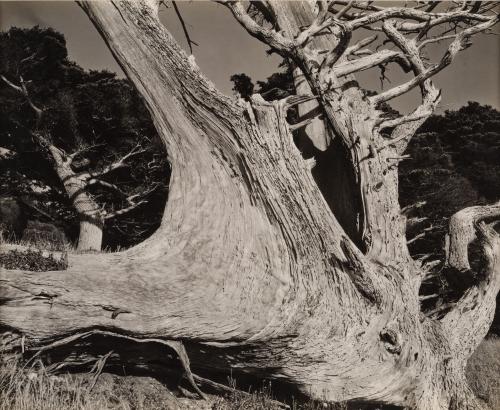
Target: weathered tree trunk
x=250 y=268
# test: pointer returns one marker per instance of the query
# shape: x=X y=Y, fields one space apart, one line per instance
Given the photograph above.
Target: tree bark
x=90 y=235
x=250 y=269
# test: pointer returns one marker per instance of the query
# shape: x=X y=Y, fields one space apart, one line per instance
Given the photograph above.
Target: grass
x=483 y=372
x=33 y=260
x=29 y=389
x=35 y=388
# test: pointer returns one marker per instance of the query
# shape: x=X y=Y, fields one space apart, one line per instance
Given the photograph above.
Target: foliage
x=454 y=164
x=32 y=260
x=93 y=112
x=242 y=85
x=44 y=236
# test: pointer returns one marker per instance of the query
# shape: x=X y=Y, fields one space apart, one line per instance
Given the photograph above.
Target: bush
x=44 y=235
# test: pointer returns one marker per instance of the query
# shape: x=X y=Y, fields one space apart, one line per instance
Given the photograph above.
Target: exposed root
x=97 y=368
x=177 y=346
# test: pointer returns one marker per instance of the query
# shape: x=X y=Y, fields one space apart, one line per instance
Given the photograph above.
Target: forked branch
x=268 y=36
x=121 y=163
x=469 y=320
x=460 y=43
x=23 y=90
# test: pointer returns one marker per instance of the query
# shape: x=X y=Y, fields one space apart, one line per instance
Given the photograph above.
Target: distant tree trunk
x=90 y=236
x=90 y=215
x=251 y=272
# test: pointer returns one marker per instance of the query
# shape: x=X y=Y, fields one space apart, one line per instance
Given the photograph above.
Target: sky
x=225 y=49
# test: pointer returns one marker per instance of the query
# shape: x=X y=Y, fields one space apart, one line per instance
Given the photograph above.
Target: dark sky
x=225 y=48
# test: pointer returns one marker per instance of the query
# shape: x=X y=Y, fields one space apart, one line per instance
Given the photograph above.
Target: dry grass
x=35 y=388
x=29 y=389
x=483 y=372
x=33 y=260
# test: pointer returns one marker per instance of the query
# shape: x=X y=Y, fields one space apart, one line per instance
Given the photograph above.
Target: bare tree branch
x=24 y=92
x=435 y=40
x=410 y=208
x=12 y=85
x=362 y=5
x=268 y=36
x=365 y=63
x=360 y=44
x=414 y=116
x=6 y=153
x=73 y=155
x=137 y=150
x=184 y=28
x=345 y=9
x=108 y=185
x=462 y=231
x=465 y=323
x=426 y=19
x=131 y=207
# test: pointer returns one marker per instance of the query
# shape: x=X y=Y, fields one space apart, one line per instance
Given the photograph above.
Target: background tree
x=453 y=164
x=251 y=270
x=84 y=138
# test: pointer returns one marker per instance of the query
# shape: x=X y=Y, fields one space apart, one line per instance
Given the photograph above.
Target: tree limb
x=360 y=44
x=426 y=19
x=469 y=321
x=460 y=43
x=131 y=207
x=6 y=153
x=24 y=92
x=367 y=62
x=117 y=164
x=108 y=185
x=268 y=36
x=410 y=208
x=462 y=231
x=184 y=28
x=73 y=155
x=423 y=113
x=344 y=10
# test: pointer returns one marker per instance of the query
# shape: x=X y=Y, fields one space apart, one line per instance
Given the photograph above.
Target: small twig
x=344 y=10
x=184 y=28
x=426 y=297
x=409 y=208
x=301 y=124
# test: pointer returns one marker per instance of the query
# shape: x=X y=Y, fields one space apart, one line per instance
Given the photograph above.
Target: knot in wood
x=391 y=339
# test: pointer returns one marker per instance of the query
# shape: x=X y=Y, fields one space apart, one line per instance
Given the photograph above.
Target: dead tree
x=250 y=271
x=77 y=183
